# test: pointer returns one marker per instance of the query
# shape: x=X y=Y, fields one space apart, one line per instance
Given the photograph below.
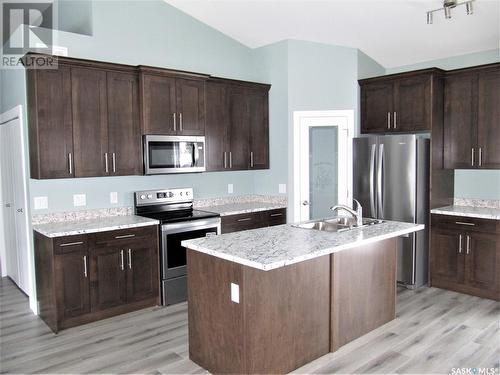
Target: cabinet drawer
x=69 y=244
x=235 y=223
x=460 y=223
x=274 y=217
x=126 y=235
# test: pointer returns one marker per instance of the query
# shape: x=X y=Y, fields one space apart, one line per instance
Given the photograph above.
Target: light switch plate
x=282 y=188
x=235 y=293
x=230 y=188
x=41 y=203
x=79 y=200
x=113 y=197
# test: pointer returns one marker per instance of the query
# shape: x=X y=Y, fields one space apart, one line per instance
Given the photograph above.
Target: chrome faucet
x=358 y=213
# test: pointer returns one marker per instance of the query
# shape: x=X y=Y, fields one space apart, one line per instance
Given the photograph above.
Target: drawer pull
x=125 y=236
x=464 y=223
x=274 y=215
x=71 y=244
x=245 y=219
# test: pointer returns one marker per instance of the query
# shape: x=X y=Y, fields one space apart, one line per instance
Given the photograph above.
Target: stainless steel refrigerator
x=391 y=181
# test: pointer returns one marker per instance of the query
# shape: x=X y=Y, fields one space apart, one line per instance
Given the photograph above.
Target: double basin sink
x=336 y=224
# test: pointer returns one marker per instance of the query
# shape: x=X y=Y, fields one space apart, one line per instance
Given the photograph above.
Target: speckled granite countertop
x=102 y=224
x=243 y=208
x=469 y=211
x=275 y=247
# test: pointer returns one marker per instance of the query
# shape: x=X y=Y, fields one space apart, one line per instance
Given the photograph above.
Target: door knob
x=305 y=203
x=20 y=210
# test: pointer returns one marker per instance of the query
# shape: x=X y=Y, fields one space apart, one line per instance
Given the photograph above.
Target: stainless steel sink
x=336 y=224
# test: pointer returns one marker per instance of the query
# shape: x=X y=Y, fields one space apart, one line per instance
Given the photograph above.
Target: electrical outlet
x=113 y=197
x=235 y=293
x=79 y=200
x=41 y=203
x=230 y=188
x=282 y=188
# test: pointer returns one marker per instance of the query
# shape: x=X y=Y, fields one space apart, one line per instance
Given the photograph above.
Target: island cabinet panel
x=83 y=278
x=465 y=255
x=363 y=291
x=281 y=322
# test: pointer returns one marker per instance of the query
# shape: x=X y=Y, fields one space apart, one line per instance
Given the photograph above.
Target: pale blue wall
x=468 y=183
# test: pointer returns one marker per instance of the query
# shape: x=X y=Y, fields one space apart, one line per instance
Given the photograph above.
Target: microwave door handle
x=195 y=152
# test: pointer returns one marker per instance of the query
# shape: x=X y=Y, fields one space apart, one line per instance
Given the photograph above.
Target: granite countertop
x=469 y=211
x=243 y=207
x=278 y=246
x=95 y=225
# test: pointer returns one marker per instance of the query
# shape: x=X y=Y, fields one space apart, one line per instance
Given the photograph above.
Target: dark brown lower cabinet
x=84 y=278
x=253 y=220
x=465 y=255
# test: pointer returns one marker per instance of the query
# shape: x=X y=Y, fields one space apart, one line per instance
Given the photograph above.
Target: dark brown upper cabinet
x=172 y=103
x=84 y=120
x=50 y=124
x=472 y=118
x=237 y=127
x=401 y=103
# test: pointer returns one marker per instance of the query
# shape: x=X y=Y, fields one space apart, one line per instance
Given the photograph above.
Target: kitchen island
x=270 y=300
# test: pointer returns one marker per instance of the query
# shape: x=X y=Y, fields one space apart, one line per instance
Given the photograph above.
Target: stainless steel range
x=179 y=221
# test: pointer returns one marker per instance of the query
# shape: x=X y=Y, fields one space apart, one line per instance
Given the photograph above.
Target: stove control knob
x=150 y=196
x=143 y=196
x=181 y=193
x=170 y=194
x=187 y=192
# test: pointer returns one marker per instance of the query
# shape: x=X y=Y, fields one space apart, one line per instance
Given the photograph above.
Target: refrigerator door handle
x=380 y=166
x=372 y=181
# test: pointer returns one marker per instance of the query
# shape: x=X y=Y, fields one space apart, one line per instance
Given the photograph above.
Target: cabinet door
x=488 y=119
x=376 y=107
x=412 y=104
x=107 y=276
x=447 y=256
x=217 y=126
x=124 y=131
x=190 y=107
x=459 y=122
x=73 y=286
x=90 y=127
x=259 y=128
x=158 y=105
x=51 y=129
x=142 y=271
x=483 y=261
x=239 y=156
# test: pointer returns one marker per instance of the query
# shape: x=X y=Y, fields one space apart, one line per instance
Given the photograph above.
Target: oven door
x=170 y=154
x=173 y=255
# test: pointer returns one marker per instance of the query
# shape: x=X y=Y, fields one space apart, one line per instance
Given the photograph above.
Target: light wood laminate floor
x=434 y=332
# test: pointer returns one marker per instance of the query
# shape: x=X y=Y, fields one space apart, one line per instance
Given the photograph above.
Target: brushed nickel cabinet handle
x=125 y=236
x=395 y=119
x=106 y=162
x=175 y=121
x=480 y=156
x=274 y=215
x=251 y=159
x=71 y=244
x=180 y=121
x=230 y=160
x=70 y=162
x=225 y=160
x=114 y=162
x=122 y=263
x=472 y=156
x=468 y=244
x=460 y=244
x=464 y=223
x=388 y=120
x=85 y=266
x=245 y=219
x=129 y=258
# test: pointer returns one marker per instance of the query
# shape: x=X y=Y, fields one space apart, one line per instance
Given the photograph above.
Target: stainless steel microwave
x=165 y=154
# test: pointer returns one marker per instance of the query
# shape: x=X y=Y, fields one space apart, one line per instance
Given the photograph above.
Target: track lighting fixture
x=448 y=5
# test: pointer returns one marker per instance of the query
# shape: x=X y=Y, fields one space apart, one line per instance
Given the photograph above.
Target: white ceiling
x=394 y=33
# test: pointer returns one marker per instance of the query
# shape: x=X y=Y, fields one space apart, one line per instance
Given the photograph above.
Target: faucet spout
x=357 y=214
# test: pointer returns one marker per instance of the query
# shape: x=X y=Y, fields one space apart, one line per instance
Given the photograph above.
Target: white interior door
x=14 y=195
x=324 y=164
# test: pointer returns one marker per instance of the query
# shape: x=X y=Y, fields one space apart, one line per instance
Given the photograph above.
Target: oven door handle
x=191 y=225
